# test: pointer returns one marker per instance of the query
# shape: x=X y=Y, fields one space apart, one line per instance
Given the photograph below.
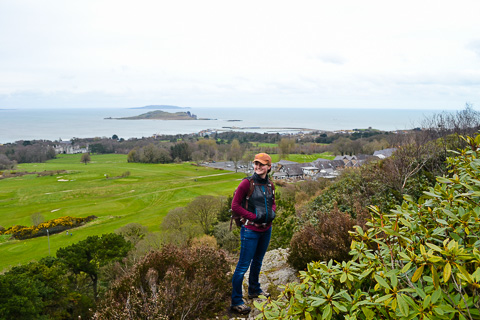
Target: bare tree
x=6 y=163
x=85 y=158
x=209 y=147
x=198 y=156
x=413 y=152
x=37 y=218
x=179 y=226
x=204 y=210
x=236 y=153
x=286 y=146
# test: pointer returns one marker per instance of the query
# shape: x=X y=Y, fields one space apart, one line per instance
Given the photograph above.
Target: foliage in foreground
x=41 y=290
x=173 y=283
x=426 y=264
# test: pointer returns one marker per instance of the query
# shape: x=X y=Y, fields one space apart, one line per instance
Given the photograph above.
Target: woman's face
x=261 y=169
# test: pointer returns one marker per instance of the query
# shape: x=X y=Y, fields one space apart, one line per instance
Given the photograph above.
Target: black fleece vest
x=261 y=200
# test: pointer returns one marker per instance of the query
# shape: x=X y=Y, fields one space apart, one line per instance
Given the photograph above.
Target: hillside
x=145 y=196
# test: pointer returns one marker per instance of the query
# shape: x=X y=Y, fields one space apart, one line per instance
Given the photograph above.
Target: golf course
x=108 y=187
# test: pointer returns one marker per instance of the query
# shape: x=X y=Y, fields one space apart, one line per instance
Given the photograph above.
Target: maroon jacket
x=240 y=195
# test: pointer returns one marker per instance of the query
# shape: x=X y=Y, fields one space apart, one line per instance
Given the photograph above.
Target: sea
x=65 y=124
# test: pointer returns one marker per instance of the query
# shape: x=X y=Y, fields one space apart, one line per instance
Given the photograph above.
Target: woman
x=257 y=212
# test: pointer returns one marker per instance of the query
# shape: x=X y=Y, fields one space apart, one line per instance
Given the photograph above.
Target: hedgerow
x=53 y=226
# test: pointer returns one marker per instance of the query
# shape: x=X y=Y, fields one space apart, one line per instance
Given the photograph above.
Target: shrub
x=173 y=283
x=285 y=221
x=133 y=232
x=328 y=239
x=204 y=241
x=226 y=239
x=425 y=263
x=53 y=226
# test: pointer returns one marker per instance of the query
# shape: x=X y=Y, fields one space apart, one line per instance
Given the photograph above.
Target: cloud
x=332 y=58
x=474 y=46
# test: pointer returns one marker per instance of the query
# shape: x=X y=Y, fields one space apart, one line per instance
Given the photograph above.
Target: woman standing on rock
x=254 y=202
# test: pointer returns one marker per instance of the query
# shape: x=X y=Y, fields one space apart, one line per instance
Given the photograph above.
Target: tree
x=6 y=163
x=204 y=210
x=97 y=148
x=236 y=153
x=90 y=254
x=133 y=156
x=179 y=227
x=40 y=290
x=150 y=154
x=286 y=146
x=37 y=218
x=209 y=147
x=419 y=261
x=342 y=146
x=182 y=151
x=198 y=156
x=85 y=158
x=133 y=232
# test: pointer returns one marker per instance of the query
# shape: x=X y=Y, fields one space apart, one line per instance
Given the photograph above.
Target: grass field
x=145 y=196
x=302 y=158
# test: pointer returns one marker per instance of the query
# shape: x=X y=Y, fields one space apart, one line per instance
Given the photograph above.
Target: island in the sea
x=162 y=115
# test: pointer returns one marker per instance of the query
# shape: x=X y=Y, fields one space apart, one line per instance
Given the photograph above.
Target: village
x=320 y=168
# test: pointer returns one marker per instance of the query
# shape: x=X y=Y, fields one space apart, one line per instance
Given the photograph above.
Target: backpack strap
x=250 y=191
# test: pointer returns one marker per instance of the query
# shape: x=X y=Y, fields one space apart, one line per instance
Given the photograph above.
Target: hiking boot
x=241 y=309
x=261 y=293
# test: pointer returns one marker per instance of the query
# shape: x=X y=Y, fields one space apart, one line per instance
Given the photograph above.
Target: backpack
x=235 y=216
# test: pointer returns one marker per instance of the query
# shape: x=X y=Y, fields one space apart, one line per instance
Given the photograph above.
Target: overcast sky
x=221 y=53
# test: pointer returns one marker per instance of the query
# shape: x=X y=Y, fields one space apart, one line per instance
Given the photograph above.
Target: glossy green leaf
x=447 y=271
x=382 y=282
x=417 y=274
x=402 y=305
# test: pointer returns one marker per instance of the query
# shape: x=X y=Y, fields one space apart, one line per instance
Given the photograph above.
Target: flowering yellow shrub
x=53 y=226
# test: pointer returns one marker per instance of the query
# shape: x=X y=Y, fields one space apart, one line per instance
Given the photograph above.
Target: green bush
x=425 y=263
x=226 y=239
x=173 y=283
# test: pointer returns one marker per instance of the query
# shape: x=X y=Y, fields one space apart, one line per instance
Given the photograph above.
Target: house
x=385 y=153
x=320 y=168
x=310 y=171
x=278 y=165
x=67 y=147
x=291 y=171
x=327 y=173
x=279 y=175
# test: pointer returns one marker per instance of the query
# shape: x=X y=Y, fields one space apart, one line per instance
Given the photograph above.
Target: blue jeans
x=253 y=247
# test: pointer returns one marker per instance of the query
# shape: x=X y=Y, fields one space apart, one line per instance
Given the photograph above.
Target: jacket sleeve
x=240 y=195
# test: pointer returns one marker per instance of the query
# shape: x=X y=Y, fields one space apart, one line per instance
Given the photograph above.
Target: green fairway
x=302 y=158
x=102 y=188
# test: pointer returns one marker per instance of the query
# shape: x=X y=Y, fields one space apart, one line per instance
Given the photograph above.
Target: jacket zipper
x=266 y=205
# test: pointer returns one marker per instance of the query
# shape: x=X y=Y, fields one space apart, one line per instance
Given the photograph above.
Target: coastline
x=65 y=124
